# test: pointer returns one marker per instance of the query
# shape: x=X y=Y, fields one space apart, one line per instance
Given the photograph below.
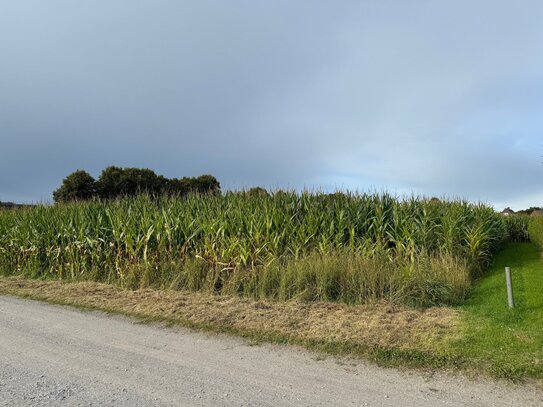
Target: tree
x=135 y=181
x=176 y=186
x=77 y=186
x=206 y=183
x=530 y=210
x=258 y=192
x=115 y=182
x=109 y=185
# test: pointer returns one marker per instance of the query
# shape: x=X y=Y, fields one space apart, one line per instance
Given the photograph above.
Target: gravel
x=58 y=356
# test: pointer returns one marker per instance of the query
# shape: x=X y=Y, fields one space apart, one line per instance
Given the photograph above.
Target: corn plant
x=257 y=244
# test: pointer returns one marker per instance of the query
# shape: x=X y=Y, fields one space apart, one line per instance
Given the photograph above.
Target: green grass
x=507 y=343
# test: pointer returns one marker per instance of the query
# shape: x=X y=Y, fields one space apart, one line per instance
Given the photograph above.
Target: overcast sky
x=425 y=97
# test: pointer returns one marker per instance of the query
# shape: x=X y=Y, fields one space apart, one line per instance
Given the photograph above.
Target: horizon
x=317 y=191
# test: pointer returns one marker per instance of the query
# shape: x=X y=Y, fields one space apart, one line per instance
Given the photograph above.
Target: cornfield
x=535 y=230
x=340 y=247
x=517 y=227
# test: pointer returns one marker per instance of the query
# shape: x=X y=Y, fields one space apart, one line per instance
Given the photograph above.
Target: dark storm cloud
x=412 y=97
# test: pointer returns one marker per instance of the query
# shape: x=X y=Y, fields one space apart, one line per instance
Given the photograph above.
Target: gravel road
x=58 y=356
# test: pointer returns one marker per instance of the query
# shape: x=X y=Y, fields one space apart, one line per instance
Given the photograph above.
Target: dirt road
x=52 y=355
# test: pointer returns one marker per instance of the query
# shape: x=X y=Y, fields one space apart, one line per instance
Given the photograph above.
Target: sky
x=421 y=97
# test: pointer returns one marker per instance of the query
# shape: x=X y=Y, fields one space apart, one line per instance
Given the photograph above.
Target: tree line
x=12 y=205
x=115 y=182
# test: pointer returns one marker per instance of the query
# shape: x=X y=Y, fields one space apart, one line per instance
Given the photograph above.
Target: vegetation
x=508 y=343
x=293 y=267
x=481 y=335
x=530 y=210
x=535 y=231
x=338 y=247
x=116 y=182
x=385 y=333
x=517 y=227
x=11 y=205
x=77 y=186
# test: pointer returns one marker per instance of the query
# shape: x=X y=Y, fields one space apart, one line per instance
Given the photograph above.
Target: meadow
x=351 y=248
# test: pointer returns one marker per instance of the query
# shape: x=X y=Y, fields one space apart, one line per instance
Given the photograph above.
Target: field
x=338 y=247
x=413 y=281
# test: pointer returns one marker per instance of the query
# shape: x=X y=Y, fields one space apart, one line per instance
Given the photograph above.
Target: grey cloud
x=413 y=97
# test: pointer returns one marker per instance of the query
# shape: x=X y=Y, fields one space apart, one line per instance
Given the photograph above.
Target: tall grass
x=344 y=247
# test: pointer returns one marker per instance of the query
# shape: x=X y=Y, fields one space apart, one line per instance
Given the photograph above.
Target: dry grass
x=362 y=329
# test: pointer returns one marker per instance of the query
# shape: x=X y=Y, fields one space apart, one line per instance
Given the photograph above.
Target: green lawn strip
x=507 y=343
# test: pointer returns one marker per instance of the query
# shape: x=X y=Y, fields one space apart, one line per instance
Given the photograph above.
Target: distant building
x=507 y=211
x=536 y=212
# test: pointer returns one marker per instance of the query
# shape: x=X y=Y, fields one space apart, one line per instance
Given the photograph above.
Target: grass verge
x=384 y=333
x=481 y=336
x=506 y=343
